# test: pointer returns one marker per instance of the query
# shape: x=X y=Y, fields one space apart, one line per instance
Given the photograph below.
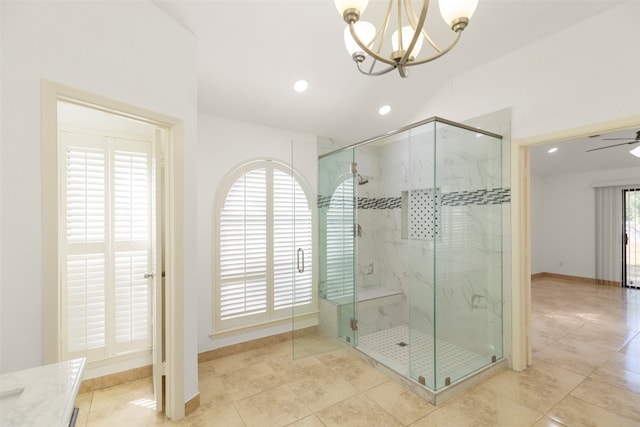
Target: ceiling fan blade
x=614 y=145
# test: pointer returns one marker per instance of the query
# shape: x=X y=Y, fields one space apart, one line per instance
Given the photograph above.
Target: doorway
x=631 y=238
x=161 y=146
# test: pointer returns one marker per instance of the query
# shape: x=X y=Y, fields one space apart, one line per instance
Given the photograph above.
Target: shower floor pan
x=392 y=347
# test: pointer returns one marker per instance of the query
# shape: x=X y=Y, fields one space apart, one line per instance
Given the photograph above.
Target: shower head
x=362 y=180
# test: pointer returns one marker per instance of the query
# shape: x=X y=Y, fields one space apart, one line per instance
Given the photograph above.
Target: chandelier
x=364 y=41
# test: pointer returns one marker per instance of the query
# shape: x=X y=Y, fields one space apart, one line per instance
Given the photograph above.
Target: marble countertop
x=42 y=396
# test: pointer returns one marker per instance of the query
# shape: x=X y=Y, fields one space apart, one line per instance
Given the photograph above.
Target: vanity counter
x=42 y=396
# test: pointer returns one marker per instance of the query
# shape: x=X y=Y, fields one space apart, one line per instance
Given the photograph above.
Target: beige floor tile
x=610 y=398
x=211 y=416
x=539 y=387
x=310 y=421
x=212 y=391
x=633 y=347
x=292 y=370
x=358 y=372
x=129 y=414
x=226 y=364
x=320 y=391
x=602 y=335
x=83 y=403
x=623 y=361
x=542 y=337
x=357 y=411
x=575 y=355
x=205 y=369
x=487 y=408
x=275 y=407
x=404 y=405
x=123 y=394
x=446 y=417
x=576 y=412
x=250 y=380
x=612 y=373
x=274 y=351
x=548 y=422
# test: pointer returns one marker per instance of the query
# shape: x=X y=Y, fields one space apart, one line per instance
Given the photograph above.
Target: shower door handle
x=299 y=256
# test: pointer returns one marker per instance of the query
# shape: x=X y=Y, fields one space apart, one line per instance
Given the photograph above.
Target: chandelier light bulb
x=365 y=32
x=407 y=36
x=635 y=151
x=453 y=10
x=344 y=5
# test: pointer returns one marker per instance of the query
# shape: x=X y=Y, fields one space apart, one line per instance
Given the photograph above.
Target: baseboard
x=588 y=280
x=191 y=405
x=118 y=378
x=209 y=355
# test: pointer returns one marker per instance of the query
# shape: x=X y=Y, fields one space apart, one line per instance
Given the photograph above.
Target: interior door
x=631 y=238
x=156 y=274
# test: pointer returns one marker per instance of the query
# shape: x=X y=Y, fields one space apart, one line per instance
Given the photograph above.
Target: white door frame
x=174 y=306
x=521 y=243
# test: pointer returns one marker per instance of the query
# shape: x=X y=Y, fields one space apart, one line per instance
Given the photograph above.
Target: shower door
x=336 y=211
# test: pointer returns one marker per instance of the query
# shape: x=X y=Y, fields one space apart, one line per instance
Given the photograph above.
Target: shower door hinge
x=354 y=325
x=493 y=359
x=421 y=380
x=447 y=381
x=354 y=168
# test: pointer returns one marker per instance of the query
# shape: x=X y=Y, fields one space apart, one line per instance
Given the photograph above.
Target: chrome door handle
x=300 y=268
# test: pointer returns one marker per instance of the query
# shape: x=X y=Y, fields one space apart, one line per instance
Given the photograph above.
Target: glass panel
x=429 y=235
x=468 y=252
x=423 y=233
x=336 y=260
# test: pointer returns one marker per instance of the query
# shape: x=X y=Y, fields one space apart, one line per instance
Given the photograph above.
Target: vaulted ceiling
x=251 y=52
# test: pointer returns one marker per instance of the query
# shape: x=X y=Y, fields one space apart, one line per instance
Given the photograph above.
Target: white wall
x=564 y=209
x=538 y=230
x=585 y=74
x=129 y=51
x=222 y=145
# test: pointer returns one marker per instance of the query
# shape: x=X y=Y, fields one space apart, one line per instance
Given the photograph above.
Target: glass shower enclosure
x=410 y=250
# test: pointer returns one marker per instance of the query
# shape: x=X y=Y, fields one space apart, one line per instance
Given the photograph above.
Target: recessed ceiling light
x=636 y=151
x=385 y=109
x=552 y=150
x=301 y=85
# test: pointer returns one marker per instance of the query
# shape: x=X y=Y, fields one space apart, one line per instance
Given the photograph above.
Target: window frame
x=228 y=327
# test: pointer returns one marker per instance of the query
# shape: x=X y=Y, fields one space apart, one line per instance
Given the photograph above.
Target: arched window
x=263 y=246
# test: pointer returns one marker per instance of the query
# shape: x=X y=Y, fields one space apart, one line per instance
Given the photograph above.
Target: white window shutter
x=83 y=272
x=264 y=219
x=106 y=299
x=243 y=235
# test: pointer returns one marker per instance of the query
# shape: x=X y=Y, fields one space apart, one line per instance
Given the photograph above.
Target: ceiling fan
x=630 y=141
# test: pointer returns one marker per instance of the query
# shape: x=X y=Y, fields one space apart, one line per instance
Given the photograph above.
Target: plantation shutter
x=292 y=233
x=84 y=269
x=105 y=304
x=132 y=227
x=264 y=218
x=243 y=247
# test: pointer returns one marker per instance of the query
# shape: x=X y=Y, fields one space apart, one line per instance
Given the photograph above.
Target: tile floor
x=585 y=372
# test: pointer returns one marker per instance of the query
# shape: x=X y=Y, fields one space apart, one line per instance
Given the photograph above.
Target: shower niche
x=411 y=253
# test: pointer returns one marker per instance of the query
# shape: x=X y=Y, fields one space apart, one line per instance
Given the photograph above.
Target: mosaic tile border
x=463 y=198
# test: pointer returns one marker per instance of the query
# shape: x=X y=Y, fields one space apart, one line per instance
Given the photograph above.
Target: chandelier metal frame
x=401 y=58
